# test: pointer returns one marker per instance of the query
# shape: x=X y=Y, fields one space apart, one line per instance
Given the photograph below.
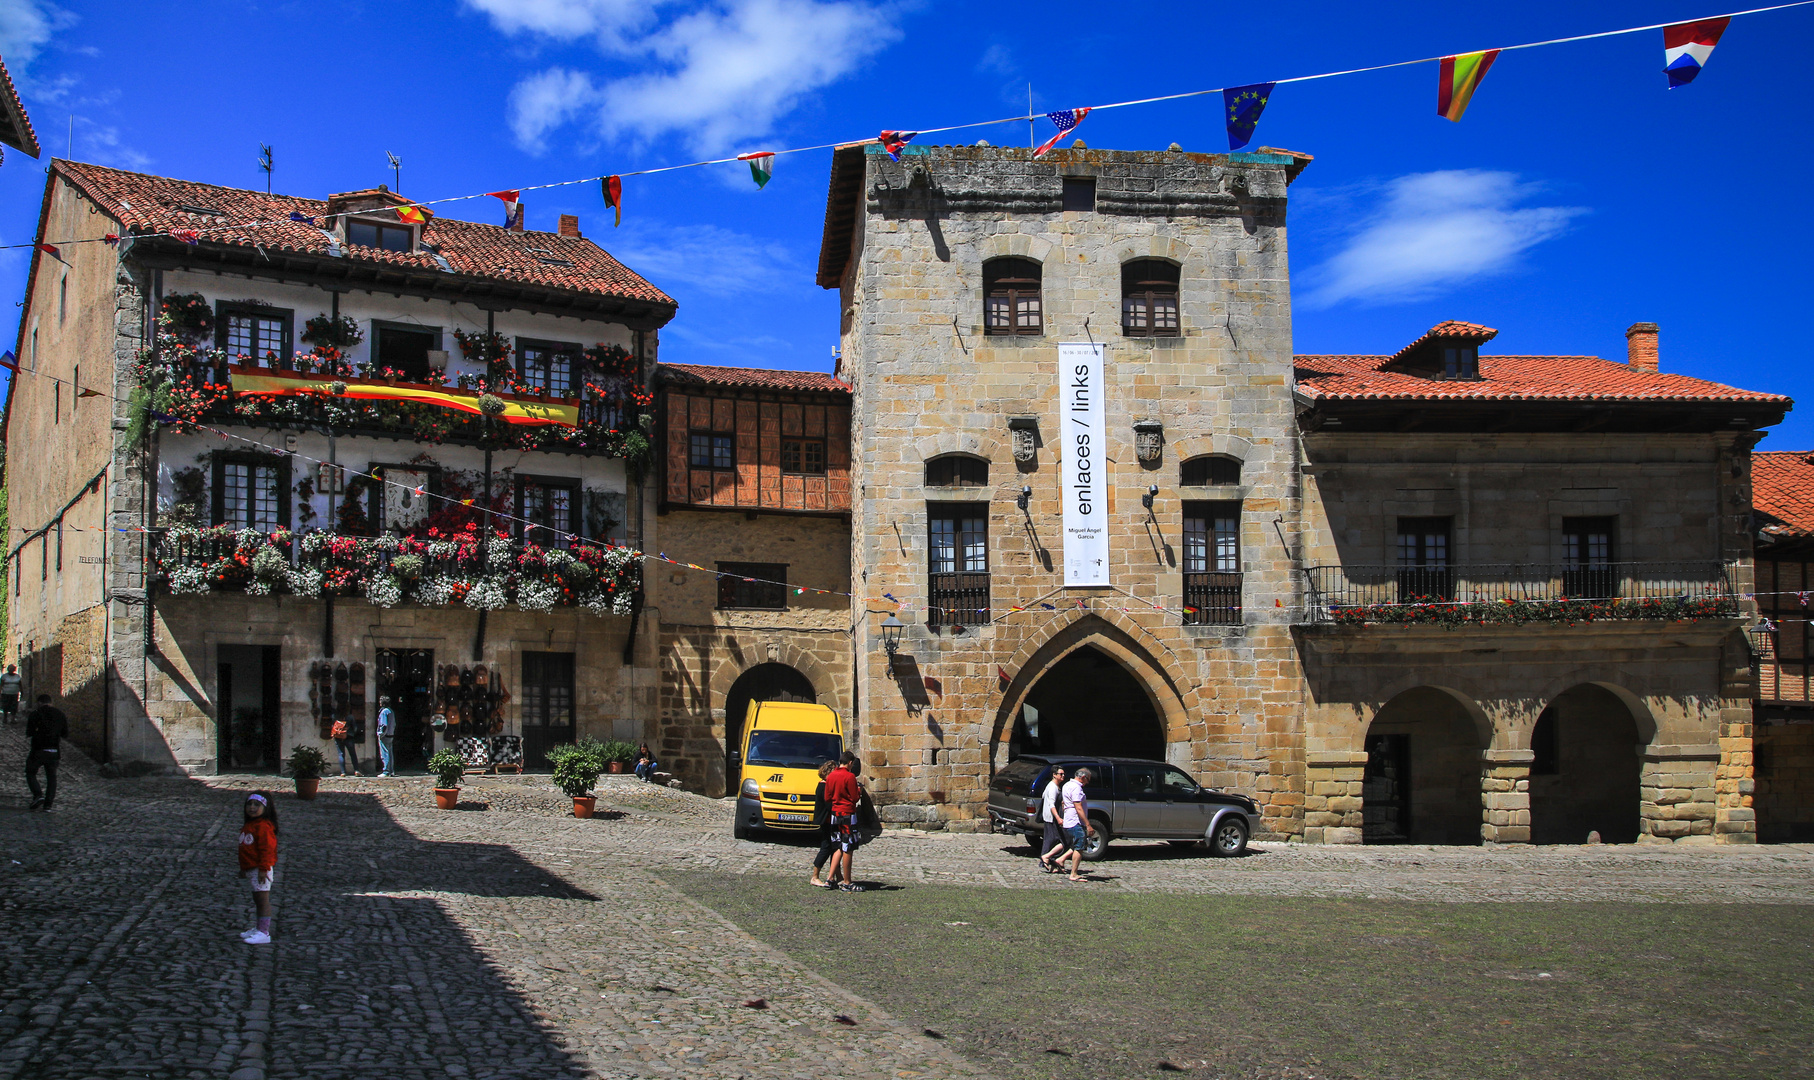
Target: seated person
x=645 y=762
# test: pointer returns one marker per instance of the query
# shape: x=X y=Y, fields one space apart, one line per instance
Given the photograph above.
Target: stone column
x=1677 y=793
x=1505 y=796
x=1332 y=800
x=1734 y=783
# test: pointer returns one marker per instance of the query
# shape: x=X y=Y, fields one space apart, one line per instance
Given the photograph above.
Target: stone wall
x=704 y=648
x=936 y=717
x=1784 y=798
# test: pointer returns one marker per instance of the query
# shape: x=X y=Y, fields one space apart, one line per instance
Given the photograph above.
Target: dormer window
x=1461 y=361
x=379 y=234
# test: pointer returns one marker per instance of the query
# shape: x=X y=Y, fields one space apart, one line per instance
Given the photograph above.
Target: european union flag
x=1243 y=105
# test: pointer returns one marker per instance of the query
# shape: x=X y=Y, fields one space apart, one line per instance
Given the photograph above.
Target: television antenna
x=396 y=171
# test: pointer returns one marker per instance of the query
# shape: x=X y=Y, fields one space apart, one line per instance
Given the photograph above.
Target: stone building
x=376 y=508
x=1432 y=597
x=1782 y=499
x=754 y=507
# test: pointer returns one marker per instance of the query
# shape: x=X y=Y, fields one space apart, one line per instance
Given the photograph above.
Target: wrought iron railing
x=1212 y=599
x=1518 y=592
x=960 y=599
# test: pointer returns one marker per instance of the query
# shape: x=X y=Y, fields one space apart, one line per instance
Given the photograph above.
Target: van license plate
x=793 y=817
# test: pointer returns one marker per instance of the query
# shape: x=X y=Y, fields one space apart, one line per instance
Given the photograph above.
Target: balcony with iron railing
x=1212 y=599
x=1461 y=594
x=957 y=599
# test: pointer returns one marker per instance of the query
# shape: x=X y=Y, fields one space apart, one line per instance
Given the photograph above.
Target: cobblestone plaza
x=510 y=940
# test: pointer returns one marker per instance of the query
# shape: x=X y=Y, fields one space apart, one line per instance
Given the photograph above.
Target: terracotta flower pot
x=614 y=767
x=447 y=798
x=583 y=805
x=306 y=789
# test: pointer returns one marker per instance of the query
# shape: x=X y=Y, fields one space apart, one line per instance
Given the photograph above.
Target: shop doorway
x=248 y=708
x=547 y=705
x=1088 y=703
x=406 y=676
x=764 y=682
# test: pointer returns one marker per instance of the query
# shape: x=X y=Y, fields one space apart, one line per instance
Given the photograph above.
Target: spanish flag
x=1459 y=78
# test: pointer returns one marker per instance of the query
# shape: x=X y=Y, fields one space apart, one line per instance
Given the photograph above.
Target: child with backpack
x=258 y=855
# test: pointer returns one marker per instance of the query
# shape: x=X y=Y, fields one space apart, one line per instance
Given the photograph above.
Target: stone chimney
x=1641 y=346
x=570 y=227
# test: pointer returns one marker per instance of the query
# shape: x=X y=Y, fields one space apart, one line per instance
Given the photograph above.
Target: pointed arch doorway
x=764 y=682
x=1088 y=703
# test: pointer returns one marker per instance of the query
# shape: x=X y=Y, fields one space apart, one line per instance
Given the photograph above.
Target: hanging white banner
x=1083 y=448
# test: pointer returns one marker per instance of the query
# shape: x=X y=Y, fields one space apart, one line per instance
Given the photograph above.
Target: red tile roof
x=1465 y=331
x=15 y=127
x=756 y=378
x=254 y=219
x=1782 y=492
x=1512 y=378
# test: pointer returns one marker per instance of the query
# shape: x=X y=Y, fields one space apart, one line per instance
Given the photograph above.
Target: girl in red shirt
x=258 y=855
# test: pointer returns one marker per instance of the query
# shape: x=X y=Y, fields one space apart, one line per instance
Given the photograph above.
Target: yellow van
x=784 y=743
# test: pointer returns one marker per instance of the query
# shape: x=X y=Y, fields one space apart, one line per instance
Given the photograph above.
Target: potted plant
x=618 y=755
x=306 y=765
x=576 y=769
x=448 y=769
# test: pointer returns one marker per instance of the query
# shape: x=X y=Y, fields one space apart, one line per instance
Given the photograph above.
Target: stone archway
x=1087 y=703
x=1157 y=678
x=764 y=682
x=1585 y=768
x=1422 y=778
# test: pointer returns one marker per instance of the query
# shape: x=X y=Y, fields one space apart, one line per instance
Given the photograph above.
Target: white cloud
x=718 y=74
x=1432 y=231
x=25 y=27
x=715 y=261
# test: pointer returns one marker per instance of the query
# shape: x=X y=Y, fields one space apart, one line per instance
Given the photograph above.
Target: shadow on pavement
x=124 y=908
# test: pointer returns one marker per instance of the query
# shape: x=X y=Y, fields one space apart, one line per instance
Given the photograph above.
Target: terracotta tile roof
x=1782 y=492
x=15 y=127
x=252 y=218
x=1512 y=378
x=1465 y=331
x=756 y=378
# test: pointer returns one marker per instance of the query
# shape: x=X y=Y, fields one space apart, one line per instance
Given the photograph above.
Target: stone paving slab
x=515 y=941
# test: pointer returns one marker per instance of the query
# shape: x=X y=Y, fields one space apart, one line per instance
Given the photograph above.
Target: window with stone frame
x=804 y=457
x=1011 y=302
x=752 y=585
x=711 y=450
x=1212 y=563
x=552 y=367
x=251 y=491
x=1210 y=470
x=957 y=564
x=252 y=334
x=957 y=470
x=547 y=510
x=1149 y=298
x=1588 y=556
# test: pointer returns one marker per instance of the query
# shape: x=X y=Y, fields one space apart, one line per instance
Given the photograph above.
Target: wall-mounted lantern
x=891 y=634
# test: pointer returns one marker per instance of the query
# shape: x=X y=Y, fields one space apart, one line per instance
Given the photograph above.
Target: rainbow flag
x=1459 y=78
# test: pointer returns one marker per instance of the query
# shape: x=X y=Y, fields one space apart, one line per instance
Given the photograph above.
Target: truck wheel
x=1230 y=837
x=1036 y=841
x=1095 y=847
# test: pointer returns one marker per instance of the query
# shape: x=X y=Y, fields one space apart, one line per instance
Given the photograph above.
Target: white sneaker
x=244 y=934
x=258 y=937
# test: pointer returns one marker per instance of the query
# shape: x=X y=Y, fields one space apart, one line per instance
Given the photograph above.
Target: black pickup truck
x=1131 y=798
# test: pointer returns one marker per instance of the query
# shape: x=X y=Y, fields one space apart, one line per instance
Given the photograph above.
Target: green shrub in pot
x=447 y=767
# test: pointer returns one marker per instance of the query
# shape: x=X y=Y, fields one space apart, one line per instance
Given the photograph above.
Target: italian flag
x=762 y=166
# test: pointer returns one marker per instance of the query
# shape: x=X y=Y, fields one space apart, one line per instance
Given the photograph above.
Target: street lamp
x=1147 y=499
x=891 y=634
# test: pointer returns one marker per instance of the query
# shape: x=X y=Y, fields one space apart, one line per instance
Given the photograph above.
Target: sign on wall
x=1083 y=447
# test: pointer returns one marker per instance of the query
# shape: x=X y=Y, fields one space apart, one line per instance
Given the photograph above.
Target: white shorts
x=261 y=880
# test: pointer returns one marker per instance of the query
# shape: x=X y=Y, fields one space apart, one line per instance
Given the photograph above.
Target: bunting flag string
x=1686 y=48
x=513 y=208
x=1244 y=105
x=762 y=166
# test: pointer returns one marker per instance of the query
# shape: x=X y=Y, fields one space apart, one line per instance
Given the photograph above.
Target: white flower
x=255 y=587
x=486 y=594
x=435 y=590
x=534 y=595
x=384 y=591
x=188 y=579
x=305 y=581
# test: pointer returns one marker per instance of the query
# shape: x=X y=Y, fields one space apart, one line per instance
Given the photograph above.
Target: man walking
x=387 y=730
x=11 y=685
x=1077 y=819
x=843 y=793
x=46 y=727
x=1052 y=846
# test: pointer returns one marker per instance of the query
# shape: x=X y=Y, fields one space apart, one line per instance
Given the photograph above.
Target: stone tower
x=964 y=273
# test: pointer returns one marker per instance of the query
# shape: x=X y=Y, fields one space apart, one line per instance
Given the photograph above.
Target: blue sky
x=1577 y=197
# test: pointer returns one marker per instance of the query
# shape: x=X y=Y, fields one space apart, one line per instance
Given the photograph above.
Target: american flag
x=1066 y=119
